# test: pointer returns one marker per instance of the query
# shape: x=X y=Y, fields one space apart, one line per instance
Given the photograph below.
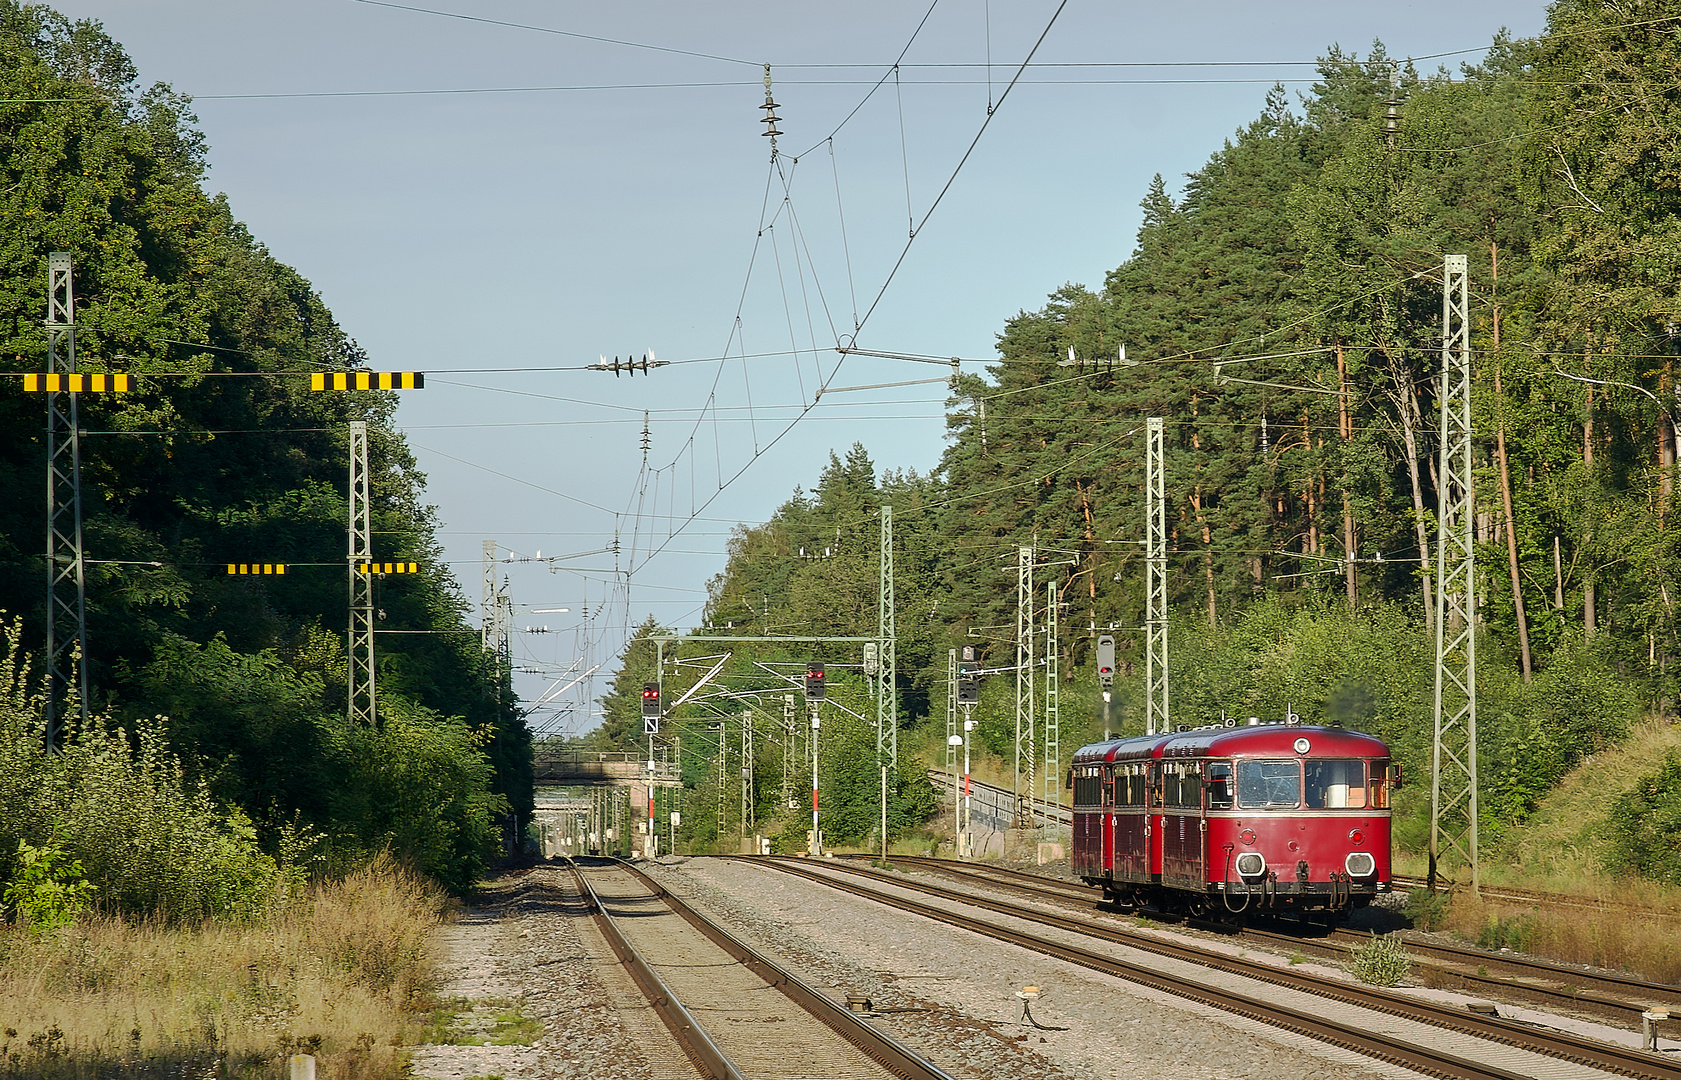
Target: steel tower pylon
x=887 y=667
x=1024 y=680
x=1053 y=734
x=789 y=735
x=747 y=813
x=1155 y=583
x=1453 y=759
x=487 y=598
x=67 y=610
x=360 y=685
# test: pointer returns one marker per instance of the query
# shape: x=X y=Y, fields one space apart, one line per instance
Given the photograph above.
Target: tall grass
x=333 y=972
x=1599 y=930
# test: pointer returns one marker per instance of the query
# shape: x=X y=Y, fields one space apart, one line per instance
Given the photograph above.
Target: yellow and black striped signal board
x=257 y=568
x=367 y=380
x=95 y=383
x=388 y=568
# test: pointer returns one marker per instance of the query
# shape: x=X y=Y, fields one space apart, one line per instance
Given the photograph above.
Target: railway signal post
x=816 y=845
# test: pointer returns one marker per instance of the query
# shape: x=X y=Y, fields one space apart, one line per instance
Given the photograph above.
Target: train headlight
x=1360 y=864
x=1251 y=864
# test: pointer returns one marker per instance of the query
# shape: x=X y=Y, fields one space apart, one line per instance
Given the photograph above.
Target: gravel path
x=531 y=943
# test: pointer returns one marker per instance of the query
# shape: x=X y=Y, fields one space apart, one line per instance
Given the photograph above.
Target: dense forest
x=219 y=454
x=1282 y=311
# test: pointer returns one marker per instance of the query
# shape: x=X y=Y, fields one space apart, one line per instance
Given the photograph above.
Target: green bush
x=47 y=889
x=1425 y=909
x=1382 y=961
x=420 y=787
x=1646 y=826
x=119 y=804
x=1501 y=932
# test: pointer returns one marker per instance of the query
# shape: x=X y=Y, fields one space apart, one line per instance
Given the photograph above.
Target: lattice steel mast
x=1024 y=679
x=1053 y=735
x=887 y=665
x=67 y=611
x=360 y=684
x=1155 y=583
x=487 y=597
x=1453 y=758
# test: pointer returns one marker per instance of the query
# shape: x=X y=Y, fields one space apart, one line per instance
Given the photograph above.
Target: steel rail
x=688 y=1032
x=1580 y=990
x=1627 y=1062
x=878 y=1046
x=1504 y=894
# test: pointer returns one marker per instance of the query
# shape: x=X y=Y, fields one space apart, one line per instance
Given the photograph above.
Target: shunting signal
x=1106 y=661
x=95 y=383
x=968 y=678
x=388 y=568
x=257 y=568
x=367 y=380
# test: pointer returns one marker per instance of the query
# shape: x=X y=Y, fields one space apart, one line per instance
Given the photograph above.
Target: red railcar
x=1267 y=816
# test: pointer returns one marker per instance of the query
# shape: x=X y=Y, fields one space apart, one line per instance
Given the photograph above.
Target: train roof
x=1218 y=740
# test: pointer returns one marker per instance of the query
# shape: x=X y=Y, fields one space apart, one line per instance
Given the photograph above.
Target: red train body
x=1225 y=820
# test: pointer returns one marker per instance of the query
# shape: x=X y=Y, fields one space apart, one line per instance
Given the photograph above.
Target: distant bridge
x=591 y=768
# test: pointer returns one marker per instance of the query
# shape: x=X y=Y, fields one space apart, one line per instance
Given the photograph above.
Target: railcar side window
x=1219 y=785
x=1087 y=784
x=1334 y=783
x=1181 y=786
x=1129 y=784
x=1380 y=783
x=1268 y=785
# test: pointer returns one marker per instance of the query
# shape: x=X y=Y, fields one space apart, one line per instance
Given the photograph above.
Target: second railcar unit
x=1223 y=820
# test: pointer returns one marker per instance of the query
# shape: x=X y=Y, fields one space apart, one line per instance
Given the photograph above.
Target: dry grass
x=1620 y=923
x=334 y=973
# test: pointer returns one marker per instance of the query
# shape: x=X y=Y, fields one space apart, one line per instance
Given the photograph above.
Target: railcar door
x=1131 y=823
x=1153 y=830
x=1183 y=833
x=1109 y=819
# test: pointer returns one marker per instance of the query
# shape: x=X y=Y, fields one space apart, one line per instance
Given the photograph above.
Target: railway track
x=720 y=998
x=1421 y=1035
x=1502 y=894
x=1616 y=999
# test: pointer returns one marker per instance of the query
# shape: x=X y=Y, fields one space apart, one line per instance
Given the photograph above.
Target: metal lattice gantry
x=1053 y=735
x=1024 y=682
x=1453 y=759
x=1155 y=583
x=67 y=618
x=360 y=685
x=887 y=665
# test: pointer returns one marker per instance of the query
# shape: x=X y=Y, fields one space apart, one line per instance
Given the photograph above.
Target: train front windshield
x=1269 y=785
x=1335 y=783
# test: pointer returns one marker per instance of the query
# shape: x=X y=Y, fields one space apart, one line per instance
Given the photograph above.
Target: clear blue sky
x=535 y=225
